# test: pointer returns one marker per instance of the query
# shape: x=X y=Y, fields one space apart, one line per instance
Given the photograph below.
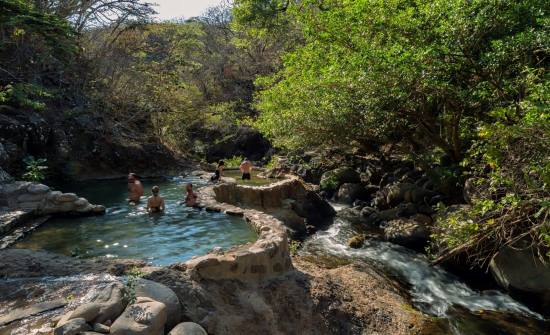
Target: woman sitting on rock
x=218 y=174
x=155 y=203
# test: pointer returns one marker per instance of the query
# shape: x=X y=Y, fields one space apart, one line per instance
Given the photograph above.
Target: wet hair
x=133 y=175
x=155 y=190
x=221 y=163
x=189 y=185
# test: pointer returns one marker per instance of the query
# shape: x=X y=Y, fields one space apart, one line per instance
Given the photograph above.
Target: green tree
x=374 y=71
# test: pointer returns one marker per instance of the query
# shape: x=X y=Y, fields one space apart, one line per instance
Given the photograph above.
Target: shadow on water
x=128 y=231
x=458 y=308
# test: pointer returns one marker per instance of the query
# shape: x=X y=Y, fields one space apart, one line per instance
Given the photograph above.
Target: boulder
x=106 y=305
x=352 y=215
x=407 y=232
x=356 y=241
x=72 y=327
x=67 y=197
x=400 y=211
x=38 y=189
x=158 y=292
x=145 y=317
x=31 y=197
x=188 y=328
x=519 y=268
x=331 y=180
x=348 y=192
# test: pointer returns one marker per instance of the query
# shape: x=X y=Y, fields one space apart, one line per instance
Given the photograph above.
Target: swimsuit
x=246 y=175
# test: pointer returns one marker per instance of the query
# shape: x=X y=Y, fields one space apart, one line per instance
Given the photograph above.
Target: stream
x=433 y=290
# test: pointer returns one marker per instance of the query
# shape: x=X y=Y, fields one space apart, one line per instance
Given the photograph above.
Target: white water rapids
x=433 y=290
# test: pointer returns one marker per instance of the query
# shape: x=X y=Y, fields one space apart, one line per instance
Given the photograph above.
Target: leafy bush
x=132 y=277
x=293 y=247
x=509 y=168
x=35 y=169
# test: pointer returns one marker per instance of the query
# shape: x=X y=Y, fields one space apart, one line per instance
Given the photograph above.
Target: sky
x=170 y=9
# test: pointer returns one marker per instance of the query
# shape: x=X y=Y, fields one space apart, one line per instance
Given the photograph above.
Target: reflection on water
x=432 y=289
x=128 y=231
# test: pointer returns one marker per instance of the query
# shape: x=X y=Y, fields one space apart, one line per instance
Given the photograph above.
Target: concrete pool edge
x=266 y=258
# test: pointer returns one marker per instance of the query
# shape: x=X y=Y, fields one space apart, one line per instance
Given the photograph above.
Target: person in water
x=155 y=203
x=246 y=169
x=218 y=174
x=191 y=197
x=135 y=189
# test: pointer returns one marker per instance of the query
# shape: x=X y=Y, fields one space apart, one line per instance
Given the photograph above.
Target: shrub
x=34 y=169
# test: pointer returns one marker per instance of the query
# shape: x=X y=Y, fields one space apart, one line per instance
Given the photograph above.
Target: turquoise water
x=130 y=232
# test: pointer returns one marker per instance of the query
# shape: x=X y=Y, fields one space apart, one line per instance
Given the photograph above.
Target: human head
x=221 y=163
x=131 y=177
x=189 y=187
x=155 y=190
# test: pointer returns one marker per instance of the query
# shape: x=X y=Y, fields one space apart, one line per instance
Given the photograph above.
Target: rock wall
x=296 y=204
x=266 y=258
x=21 y=201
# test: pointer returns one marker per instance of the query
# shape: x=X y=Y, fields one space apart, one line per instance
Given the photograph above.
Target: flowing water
x=128 y=231
x=432 y=289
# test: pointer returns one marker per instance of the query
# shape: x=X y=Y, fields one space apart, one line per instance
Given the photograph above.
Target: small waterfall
x=433 y=290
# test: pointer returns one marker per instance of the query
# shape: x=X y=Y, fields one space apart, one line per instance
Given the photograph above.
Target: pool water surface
x=128 y=231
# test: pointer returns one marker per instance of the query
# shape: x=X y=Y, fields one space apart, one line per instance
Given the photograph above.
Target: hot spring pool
x=130 y=232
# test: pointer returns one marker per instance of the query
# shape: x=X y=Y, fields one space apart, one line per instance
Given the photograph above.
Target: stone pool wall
x=290 y=200
x=266 y=258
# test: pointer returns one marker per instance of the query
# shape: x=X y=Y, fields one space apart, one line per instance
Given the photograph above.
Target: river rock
x=106 y=305
x=53 y=195
x=407 y=232
x=348 y=192
x=519 y=268
x=29 y=206
x=356 y=241
x=38 y=189
x=158 y=292
x=67 y=197
x=332 y=180
x=81 y=202
x=145 y=317
x=188 y=328
x=30 y=197
x=72 y=327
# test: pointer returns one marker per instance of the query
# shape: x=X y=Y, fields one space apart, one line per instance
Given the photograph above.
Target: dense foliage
x=426 y=71
x=147 y=82
x=454 y=81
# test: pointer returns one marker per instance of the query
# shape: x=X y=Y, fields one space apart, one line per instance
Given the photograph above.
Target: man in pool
x=155 y=203
x=246 y=169
x=191 y=197
x=135 y=189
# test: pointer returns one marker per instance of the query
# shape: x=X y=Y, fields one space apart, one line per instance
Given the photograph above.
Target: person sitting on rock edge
x=155 y=203
x=191 y=197
x=135 y=189
x=218 y=174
